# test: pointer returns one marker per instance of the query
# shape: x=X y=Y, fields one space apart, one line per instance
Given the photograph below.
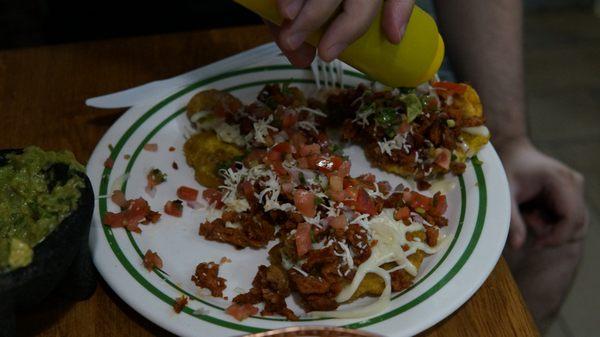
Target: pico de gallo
x=338 y=236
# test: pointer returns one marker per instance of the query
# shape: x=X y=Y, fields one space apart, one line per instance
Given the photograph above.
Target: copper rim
x=313 y=331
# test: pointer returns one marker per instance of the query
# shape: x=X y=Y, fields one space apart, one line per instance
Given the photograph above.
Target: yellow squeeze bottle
x=413 y=61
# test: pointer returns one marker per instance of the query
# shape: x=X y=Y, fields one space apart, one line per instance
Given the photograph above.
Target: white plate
x=478 y=216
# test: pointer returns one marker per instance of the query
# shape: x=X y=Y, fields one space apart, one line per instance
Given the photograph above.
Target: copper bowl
x=61 y=263
x=314 y=331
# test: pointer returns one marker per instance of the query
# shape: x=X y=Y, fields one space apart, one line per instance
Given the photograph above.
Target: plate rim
x=479 y=226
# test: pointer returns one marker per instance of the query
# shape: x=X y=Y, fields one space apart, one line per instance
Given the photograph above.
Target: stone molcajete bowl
x=61 y=263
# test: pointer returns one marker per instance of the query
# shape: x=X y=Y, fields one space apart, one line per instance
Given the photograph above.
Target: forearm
x=484 y=43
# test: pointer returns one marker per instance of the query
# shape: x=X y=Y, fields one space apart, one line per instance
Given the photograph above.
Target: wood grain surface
x=42 y=94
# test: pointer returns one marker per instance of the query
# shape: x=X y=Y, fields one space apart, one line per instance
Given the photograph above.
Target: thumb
x=518 y=231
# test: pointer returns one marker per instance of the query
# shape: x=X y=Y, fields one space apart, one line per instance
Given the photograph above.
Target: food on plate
x=38 y=190
x=174 y=208
x=241 y=312
x=207 y=153
x=207 y=276
x=187 y=193
x=151 y=260
x=338 y=237
x=154 y=178
x=151 y=147
x=180 y=303
x=420 y=133
x=133 y=213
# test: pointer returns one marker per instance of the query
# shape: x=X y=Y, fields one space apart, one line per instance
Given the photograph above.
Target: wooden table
x=42 y=94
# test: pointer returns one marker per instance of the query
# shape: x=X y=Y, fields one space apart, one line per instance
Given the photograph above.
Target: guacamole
x=33 y=202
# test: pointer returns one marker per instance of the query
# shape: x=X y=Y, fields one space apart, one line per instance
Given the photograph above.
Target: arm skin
x=484 y=40
x=484 y=43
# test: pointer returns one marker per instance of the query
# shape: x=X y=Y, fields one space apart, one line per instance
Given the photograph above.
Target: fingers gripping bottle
x=413 y=61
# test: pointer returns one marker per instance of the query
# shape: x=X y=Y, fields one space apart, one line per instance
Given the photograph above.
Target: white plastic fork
x=331 y=72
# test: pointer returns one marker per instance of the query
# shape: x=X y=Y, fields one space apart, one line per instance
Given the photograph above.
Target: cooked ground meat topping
x=207 y=276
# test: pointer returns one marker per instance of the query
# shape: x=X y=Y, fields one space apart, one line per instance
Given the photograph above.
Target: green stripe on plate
x=165 y=298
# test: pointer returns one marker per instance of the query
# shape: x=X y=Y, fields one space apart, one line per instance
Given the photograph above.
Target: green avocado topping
x=34 y=200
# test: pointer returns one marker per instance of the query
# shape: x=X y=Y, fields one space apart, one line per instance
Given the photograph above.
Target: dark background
x=562 y=61
x=38 y=22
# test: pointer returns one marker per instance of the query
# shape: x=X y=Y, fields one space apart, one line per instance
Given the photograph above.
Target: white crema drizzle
x=391 y=236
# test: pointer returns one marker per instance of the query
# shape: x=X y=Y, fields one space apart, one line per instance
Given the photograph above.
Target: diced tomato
x=313 y=160
x=274 y=156
x=439 y=205
x=116 y=220
x=303 y=163
x=344 y=169
x=307 y=150
x=329 y=164
x=442 y=157
x=417 y=200
x=305 y=203
x=241 y=311
x=458 y=88
x=337 y=222
x=118 y=197
x=138 y=209
x=284 y=147
x=213 y=195
x=137 y=212
x=247 y=190
x=152 y=260
x=322 y=139
x=384 y=187
x=109 y=163
x=279 y=168
x=303 y=243
x=187 y=193
x=151 y=147
x=336 y=184
x=289 y=120
x=297 y=139
x=350 y=195
x=407 y=196
x=431 y=105
x=401 y=213
x=338 y=196
x=350 y=182
x=364 y=203
x=152 y=216
x=287 y=188
x=174 y=208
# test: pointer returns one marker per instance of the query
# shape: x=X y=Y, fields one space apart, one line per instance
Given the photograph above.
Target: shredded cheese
x=308 y=126
x=229 y=133
x=396 y=143
x=302 y=272
x=313 y=111
x=261 y=129
x=362 y=117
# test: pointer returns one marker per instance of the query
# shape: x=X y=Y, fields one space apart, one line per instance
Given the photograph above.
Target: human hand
x=302 y=17
x=547 y=197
